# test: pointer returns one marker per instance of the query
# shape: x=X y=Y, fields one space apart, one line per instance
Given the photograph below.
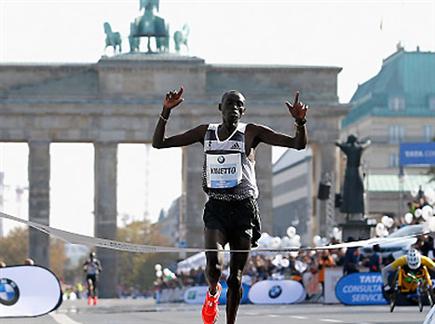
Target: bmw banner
x=28 y=291
x=277 y=292
x=362 y=288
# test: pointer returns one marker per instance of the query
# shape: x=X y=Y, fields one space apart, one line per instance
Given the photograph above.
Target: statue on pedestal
x=353 y=188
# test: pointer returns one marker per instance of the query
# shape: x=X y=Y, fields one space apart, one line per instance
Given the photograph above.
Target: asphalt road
x=143 y=312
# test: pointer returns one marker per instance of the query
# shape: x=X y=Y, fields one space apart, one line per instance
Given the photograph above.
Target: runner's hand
x=298 y=109
x=173 y=99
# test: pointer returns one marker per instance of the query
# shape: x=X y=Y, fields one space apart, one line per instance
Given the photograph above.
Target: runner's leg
x=237 y=264
x=214 y=239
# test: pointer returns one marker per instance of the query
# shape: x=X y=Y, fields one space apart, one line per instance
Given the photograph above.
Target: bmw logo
x=221 y=159
x=9 y=292
x=275 y=292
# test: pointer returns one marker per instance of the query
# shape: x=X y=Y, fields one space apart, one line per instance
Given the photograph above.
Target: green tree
x=14 y=246
x=14 y=249
x=57 y=257
x=137 y=269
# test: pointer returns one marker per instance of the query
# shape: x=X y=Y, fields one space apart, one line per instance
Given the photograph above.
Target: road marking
x=298 y=317
x=63 y=319
x=330 y=320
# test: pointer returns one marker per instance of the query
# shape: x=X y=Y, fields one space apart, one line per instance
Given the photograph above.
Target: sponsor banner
x=417 y=153
x=332 y=276
x=170 y=295
x=363 y=288
x=245 y=298
x=276 y=292
x=28 y=291
x=196 y=295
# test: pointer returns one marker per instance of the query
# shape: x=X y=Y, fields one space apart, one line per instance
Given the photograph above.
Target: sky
x=353 y=34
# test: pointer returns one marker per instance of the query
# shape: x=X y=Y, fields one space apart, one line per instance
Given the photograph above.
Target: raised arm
x=366 y=144
x=298 y=111
x=172 y=100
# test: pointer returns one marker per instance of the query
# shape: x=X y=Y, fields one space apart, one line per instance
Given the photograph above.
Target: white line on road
x=298 y=317
x=63 y=319
x=330 y=320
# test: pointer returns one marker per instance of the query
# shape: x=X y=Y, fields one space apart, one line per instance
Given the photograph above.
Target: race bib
x=223 y=170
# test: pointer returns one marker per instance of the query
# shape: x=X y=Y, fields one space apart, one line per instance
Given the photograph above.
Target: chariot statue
x=150 y=25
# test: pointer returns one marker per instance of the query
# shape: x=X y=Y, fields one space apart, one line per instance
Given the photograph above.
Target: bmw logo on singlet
x=9 y=292
x=275 y=292
x=221 y=159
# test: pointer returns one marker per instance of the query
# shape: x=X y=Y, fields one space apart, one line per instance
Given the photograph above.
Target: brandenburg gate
x=118 y=100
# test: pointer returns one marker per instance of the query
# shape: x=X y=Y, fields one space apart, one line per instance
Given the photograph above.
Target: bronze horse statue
x=112 y=38
x=180 y=38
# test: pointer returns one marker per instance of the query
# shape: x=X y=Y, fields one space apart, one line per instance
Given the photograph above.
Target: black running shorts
x=234 y=218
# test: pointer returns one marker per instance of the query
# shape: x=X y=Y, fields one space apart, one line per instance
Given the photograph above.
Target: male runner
x=92 y=267
x=231 y=212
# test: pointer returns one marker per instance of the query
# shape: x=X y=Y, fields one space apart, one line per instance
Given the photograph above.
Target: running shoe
x=210 y=310
x=95 y=301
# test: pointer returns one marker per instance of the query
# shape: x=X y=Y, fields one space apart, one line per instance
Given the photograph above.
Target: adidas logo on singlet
x=235 y=146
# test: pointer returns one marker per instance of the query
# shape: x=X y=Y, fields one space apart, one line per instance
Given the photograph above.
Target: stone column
x=263 y=170
x=105 y=173
x=326 y=210
x=39 y=200
x=193 y=197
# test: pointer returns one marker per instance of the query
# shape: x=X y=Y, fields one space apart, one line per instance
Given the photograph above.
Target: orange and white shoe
x=89 y=301
x=95 y=301
x=210 y=310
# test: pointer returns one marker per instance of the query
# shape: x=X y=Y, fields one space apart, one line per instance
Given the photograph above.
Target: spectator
x=29 y=262
x=325 y=261
x=351 y=259
x=426 y=245
x=375 y=259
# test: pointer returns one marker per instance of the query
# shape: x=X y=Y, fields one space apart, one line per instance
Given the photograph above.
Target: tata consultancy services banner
x=362 y=288
x=417 y=153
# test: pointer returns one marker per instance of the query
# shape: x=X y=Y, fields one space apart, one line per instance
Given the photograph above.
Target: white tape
x=142 y=248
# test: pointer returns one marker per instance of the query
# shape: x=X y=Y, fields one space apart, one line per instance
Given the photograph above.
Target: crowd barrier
x=173 y=295
x=363 y=288
x=196 y=295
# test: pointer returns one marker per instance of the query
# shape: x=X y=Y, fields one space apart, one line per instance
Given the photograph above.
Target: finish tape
x=90 y=241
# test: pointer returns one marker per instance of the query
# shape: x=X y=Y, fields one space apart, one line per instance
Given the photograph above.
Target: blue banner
x=417 y=153
x=362 y=288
